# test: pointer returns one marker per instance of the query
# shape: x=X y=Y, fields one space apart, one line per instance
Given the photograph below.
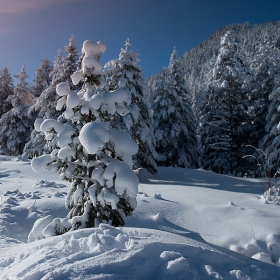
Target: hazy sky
x=31 y=30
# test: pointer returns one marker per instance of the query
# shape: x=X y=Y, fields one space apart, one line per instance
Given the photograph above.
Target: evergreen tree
x=6 y=89
x=90 y=154
x=44 y=107
x=42 y=78
x=70 y=61
x=265 y=67
x=15 y=124
x=270 y=143
x=46 y=104
x=64 y=66
x=199 y=62
x=174 y=126
x=126 y=73
x=271 y=140
x=225 y=123
x=177 y=82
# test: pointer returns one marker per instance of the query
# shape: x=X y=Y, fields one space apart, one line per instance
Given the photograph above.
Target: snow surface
x=183 y=227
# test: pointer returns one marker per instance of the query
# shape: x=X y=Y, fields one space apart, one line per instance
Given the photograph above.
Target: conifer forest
x=216 y=107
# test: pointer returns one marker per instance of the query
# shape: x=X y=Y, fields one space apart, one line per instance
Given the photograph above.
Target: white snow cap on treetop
x=127 y=43
x=91 y=49
x=90 y=63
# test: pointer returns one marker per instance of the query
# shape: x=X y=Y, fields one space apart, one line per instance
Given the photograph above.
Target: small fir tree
x=93 y=156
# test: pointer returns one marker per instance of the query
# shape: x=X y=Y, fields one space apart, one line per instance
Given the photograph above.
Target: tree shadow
x=202 y=178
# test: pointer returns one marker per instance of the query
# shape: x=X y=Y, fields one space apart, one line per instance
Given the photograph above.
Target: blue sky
x=31 y=30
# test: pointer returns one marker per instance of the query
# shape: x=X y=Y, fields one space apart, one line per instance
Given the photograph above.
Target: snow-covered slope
x=185 y=223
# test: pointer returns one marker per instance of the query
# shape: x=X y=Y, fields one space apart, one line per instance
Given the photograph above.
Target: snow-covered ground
x=187 y=225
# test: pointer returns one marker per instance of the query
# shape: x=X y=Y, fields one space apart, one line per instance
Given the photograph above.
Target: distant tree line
x=233 y=82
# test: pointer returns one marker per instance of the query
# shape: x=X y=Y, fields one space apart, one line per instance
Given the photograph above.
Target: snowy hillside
x=183 y=227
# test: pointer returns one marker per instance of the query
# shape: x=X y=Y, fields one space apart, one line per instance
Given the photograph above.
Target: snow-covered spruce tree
x=225 y=124
x=176 y=81
x=96 y=158
x=42 y=78
x=265 y=66
x=45 y=105
x=174 y=125
x=6 y=89
x=70 y=62
x=126 y=73
x=64 y=66
x=15 y=125
x=271 y=140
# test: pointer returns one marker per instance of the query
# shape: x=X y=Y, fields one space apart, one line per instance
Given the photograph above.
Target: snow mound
x=266 y=251
x=48 y=184
x=157 y=196
x=124 y=253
